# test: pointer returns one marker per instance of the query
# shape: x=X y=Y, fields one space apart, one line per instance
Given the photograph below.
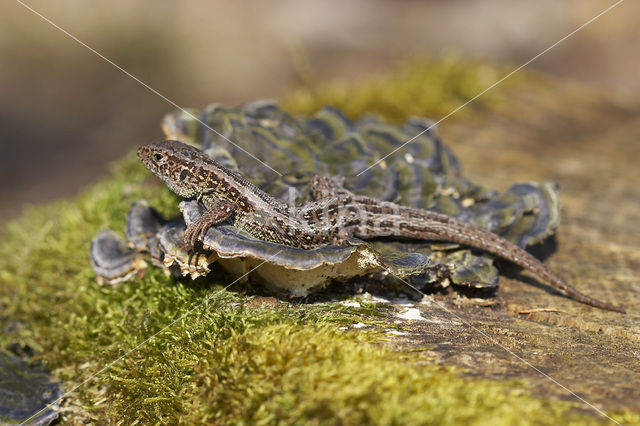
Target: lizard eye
x=158 y=157
x=183 y=174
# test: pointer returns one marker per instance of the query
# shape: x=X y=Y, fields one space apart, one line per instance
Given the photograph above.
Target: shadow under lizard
x=333 y=218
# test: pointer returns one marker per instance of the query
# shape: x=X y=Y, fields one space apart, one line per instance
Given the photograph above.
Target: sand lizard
x=336 y=215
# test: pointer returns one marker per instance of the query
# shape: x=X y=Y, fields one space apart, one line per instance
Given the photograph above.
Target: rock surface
x=589 y=144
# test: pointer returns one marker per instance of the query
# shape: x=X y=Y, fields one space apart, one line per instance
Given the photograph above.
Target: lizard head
x=176 y=164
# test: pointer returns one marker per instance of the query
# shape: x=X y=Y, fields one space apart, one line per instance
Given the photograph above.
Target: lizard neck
x=220 y=183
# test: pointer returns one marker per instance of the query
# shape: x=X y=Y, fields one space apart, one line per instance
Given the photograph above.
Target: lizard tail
x=436 y=227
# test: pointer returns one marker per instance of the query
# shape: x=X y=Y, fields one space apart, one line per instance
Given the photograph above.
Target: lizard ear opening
x=183 y=174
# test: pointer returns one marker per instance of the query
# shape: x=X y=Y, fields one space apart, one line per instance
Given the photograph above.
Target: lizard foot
x=196 y=230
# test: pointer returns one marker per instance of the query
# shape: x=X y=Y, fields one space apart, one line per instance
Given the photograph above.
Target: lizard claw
x=195 y=233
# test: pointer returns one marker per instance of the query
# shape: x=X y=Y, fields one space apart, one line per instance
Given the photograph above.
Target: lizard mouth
x=149 y=158
x=143 y=154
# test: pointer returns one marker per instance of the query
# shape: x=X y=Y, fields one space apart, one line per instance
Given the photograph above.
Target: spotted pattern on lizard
x=331 y=220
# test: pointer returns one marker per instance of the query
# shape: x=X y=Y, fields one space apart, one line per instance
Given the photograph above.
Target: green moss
x=222 y=361
x=421 y=87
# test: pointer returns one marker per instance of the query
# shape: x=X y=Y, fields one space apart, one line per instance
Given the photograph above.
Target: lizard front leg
x=196 y=230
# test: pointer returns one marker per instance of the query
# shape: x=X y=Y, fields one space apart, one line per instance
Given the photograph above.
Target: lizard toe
x=194 y=236
x=202 y=232
x=188 y=238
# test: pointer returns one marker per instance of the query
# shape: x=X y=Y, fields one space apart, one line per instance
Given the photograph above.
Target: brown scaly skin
x=333 y=218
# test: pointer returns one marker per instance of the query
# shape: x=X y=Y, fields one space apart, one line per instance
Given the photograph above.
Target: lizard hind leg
x=196 y=230
x=325 y=186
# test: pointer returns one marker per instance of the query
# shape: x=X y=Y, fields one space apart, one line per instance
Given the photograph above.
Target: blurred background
x=65 y=113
